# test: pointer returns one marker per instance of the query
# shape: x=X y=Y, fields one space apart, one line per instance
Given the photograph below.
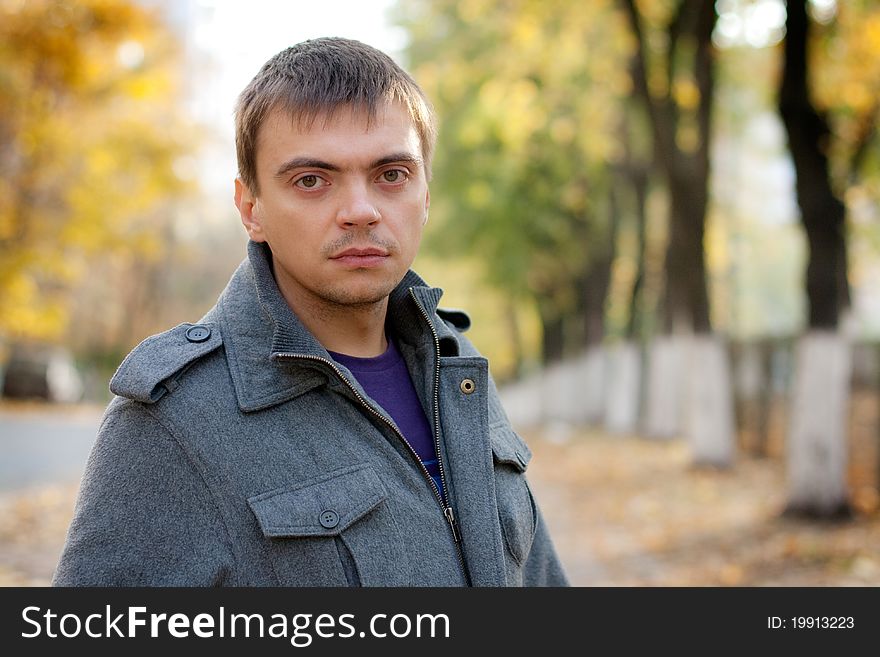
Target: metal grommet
x=467 y=386
x=198 y=333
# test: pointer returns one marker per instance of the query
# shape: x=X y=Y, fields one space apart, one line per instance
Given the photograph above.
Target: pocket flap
x=324 y=506
x=509 y=448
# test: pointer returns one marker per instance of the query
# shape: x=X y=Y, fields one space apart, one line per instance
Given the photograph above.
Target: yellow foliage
x=687 y=136
x=872 y=34
x=88 y=170
x=479 y=194
x=686 y=94
x=849 y=75
x=25 y=314
x=525 y=34
x=657 y=11
x=563 y=130
x=474 y=11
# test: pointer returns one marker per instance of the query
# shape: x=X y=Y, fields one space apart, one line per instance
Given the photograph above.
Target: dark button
x=520 y=458
x=198 y=333
x=329 y=519
x=468 y=386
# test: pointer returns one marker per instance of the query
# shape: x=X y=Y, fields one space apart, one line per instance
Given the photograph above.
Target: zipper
x=447 y=508
x=442 y=500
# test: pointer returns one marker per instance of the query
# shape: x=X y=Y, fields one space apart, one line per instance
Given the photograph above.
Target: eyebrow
x=314 y=163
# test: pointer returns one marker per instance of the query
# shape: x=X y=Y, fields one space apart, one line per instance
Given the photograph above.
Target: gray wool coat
x=238 y=453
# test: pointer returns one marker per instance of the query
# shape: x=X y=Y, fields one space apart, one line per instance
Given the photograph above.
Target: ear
x=246 y=202
x=427 y=205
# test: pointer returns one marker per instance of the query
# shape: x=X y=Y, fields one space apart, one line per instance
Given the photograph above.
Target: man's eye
x=308 y=182
x=393 y=176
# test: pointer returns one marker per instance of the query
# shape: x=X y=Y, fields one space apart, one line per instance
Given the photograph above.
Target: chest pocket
x=333 y=530
x=516 y=506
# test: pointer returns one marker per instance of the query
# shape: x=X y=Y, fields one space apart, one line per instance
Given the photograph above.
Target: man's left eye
x=393 y=176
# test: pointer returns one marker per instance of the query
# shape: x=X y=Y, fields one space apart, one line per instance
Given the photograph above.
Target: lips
x=358 y=253
x=361 y=258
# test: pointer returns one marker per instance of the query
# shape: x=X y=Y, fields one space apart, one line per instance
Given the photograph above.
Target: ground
x=633 y=512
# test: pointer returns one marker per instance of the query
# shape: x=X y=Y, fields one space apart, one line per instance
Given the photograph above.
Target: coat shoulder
x=151 y=370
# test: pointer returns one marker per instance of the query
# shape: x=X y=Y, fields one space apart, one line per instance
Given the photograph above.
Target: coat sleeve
x=543 y=567
x=144 y=515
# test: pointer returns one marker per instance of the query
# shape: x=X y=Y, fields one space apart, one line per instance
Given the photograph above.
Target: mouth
x=361 y=258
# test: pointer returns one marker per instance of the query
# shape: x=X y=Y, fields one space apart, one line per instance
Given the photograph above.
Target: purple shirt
x=386 y=380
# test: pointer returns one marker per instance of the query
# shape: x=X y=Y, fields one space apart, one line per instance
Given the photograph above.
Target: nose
x=358 y=208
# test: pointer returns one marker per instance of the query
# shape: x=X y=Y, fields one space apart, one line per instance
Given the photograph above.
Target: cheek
x=411 y=234
x=414 y=220
x=290 y=228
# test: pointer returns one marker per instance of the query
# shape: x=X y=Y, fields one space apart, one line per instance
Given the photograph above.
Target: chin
x=358 y=295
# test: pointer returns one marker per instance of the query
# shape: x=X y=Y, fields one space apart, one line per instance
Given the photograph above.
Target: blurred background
x=661 y=215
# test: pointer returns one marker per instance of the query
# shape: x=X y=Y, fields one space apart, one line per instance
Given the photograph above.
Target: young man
x=325 y=424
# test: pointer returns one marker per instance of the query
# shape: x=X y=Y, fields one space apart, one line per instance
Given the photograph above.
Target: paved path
x=44 y=444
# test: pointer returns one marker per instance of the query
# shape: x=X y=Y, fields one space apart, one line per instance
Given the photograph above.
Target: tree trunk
x=686 y=303
x=624 y=388
x=764 y=401
x=685 y=166
x=709 y=423
x=685 y=163
x=635 y=322
x=523 y=401
x=626 y=360
x=665 y=376
x=597 y=279
x=822 y=213
x=552 y=336
x=592 y=291
x=753 y=393
x=816 y=449
x=516 y=342
x=623 y=403
x=593 y=368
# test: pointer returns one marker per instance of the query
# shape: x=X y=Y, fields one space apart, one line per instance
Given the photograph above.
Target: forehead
x=344 y=133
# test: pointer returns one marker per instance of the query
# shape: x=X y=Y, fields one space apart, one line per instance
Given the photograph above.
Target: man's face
x=341 y=206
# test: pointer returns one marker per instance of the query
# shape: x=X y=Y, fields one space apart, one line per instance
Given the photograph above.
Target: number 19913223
x=811 y=623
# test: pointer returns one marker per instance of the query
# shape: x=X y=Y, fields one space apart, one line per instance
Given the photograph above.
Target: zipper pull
x=450 y=518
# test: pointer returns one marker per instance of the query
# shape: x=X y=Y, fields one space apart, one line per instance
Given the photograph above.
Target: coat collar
x=273 y=357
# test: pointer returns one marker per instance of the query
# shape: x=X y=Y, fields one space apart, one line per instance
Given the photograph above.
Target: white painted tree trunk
x=709 y=425
x=748 y=376
x=816 y=448
x=573 y=390
x=522 y=401
x=664 y=391
x=557 y=393
x=624 y=388
x=595 y=372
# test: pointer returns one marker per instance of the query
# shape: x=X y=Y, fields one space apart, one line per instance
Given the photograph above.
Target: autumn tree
x=528 y=95
x=676 y=85
x=674 y=76
x=89 y=138
x=629 y=309
x=829 y=133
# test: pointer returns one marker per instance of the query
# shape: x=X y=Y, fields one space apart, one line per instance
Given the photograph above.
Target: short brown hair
x=320 y=76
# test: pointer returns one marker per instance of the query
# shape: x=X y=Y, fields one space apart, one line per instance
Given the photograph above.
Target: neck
x=351 y=329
